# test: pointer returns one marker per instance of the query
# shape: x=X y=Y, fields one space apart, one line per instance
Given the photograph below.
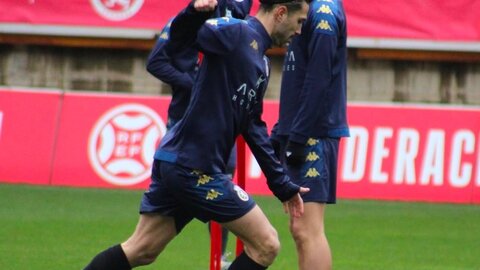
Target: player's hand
x=294 y=206
x=205 y=5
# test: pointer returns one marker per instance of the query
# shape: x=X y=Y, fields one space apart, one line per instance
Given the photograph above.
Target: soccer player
x=179 y=71
x=188 y=175
x=312 y=120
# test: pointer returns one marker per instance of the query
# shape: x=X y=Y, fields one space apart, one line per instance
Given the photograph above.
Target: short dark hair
x=292 y=5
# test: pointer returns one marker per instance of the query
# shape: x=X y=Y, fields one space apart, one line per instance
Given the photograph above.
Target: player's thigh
x=152 y=233
x=254 y=229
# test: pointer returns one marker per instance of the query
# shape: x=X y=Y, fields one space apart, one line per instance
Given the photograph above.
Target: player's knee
x=269 y=248
x=299 y=233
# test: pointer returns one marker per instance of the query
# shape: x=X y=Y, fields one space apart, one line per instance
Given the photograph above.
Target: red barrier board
x=402 y=153
x=108 y=140
x=411 y=153
x=395 y=152
x=445 y=20
x=28 y=121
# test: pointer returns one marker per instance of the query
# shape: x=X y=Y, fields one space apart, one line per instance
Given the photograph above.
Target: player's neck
x=267 y=20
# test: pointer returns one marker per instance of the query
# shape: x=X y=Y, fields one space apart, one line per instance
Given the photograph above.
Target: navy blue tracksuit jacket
x=180 y=69
x=226 y=99
x=313 y=99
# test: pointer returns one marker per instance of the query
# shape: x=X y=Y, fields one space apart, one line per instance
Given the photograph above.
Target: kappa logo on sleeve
x=213 y=22
x=325 y=10
x=117 y=10
x=324 y=25
x=123 y=142
x=164 y=36
x=254 y=45
x=223 y=21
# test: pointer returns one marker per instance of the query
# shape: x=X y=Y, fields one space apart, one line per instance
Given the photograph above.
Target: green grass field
x=62 y=228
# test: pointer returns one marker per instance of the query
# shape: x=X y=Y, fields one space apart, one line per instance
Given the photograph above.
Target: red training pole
x=241 y=174
x=215 y=245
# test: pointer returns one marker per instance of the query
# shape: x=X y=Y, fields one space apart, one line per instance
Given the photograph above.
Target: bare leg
x=309 y=235
x=151 y=236
x=258 y=235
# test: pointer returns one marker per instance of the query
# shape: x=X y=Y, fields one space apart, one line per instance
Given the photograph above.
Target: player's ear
x=280 y=13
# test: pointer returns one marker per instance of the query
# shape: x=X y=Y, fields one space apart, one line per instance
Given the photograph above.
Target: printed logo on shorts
x=312 y=173
x=212 y=194
x=241 y=193
x=122 y=144
x=117 y=10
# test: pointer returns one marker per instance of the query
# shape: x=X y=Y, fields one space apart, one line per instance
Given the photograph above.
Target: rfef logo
x=117 y=10
x=122 y=144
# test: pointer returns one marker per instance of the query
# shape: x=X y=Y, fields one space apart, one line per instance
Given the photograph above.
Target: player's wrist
x=286 y=191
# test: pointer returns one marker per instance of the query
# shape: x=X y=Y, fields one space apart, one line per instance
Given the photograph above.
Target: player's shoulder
x=325 y=16
x=224 y=22
x=165 y=33
x=327 y=7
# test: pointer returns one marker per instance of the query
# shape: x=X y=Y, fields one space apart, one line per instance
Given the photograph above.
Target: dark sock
x=112 y=258
x=224 y=240
x=243 y=262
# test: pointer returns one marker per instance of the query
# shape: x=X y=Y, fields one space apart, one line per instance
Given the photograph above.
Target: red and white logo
x=117 y=10
x=122 y=144
x=241 y=193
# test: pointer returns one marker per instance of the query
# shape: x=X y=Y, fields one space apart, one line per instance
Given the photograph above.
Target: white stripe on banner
x=413 y=44
x=77 y=31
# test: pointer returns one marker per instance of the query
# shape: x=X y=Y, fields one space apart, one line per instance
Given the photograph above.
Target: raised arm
x=161 y=66
x=184 y=28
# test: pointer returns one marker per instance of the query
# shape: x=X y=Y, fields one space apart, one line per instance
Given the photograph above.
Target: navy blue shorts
x=184 y=194
x=318 y=172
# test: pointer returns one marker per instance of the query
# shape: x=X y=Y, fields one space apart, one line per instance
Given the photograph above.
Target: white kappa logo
x=117 y=10
x=122 y=144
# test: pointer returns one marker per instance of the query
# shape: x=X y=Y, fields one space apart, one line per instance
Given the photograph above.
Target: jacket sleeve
x=159 y=64
x=219 y=36
x=256 y=136
x=321 y=49
x=184 y=29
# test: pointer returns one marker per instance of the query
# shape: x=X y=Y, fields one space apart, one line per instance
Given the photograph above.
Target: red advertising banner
x=28 y=122
x=418 y=153
x=395 y=152
x=411 y=153
x=440 y=20
x=146 y=14
x=432 y=20
x=108 y=140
